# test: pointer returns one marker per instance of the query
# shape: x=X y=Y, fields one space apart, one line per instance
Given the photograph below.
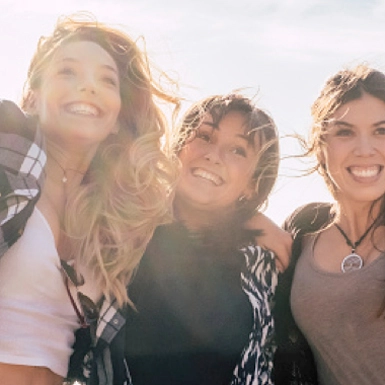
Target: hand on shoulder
x=273 y=238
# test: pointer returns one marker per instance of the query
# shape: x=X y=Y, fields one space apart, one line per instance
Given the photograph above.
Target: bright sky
x=281 y=49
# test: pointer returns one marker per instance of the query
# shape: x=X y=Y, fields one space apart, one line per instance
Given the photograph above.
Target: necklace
x=353 y=261
x=65 y=177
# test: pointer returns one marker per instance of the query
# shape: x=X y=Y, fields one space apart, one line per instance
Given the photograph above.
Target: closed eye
x=110 y=80
x=66 y=71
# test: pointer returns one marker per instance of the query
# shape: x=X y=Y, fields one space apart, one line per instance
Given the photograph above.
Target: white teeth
x=207 y=175
x=365 y=172
x=83 y=109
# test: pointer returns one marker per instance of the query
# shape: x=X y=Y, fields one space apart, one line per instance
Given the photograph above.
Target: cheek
x=189 y=152
x=242 y=173
x=182 y=156
x=114 y=104
x=332 y=156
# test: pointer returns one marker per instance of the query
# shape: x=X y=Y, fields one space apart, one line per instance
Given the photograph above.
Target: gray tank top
x=342 y=315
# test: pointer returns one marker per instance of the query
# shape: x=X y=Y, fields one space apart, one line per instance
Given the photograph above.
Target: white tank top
x=37 y=320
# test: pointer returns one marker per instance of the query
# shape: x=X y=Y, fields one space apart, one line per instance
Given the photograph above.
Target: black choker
x=353 y=261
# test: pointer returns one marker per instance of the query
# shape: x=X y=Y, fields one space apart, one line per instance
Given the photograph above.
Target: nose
x=87 y=84
x=213 y=154
x=365 y=146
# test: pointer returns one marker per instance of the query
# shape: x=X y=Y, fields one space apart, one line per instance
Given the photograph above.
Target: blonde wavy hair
x=125 y=193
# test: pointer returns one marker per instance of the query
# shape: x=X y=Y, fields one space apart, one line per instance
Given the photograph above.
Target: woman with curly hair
x=91 y=95
x=204 y=288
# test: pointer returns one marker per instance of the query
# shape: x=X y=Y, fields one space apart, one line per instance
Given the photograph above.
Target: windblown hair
x=125 y=194
x=343 y=87
x=257 y=122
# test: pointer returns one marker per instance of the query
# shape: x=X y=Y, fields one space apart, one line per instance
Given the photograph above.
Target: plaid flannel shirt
x=22 y=160
x=101 y=361
x=111 y=322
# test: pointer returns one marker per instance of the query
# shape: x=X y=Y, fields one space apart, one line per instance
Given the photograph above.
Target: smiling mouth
x=200 y=173
x=365 y=172
x=83 y=109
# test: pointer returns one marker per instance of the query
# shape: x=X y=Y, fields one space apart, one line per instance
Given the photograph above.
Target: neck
x=64 y=166
x=356 y=219
x=222 y=232
x=196 y=219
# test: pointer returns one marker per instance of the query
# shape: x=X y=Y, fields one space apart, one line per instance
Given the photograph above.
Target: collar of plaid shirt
x=110 y=323
x=95 y=366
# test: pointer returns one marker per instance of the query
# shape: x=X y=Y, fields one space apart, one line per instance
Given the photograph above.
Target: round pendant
x=351 y=262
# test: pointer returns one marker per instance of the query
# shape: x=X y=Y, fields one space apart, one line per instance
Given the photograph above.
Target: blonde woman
x=92 y=96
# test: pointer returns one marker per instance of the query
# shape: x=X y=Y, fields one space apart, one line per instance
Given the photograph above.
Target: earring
x=242 y=199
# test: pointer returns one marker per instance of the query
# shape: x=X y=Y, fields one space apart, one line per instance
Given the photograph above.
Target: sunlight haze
x=281 y=50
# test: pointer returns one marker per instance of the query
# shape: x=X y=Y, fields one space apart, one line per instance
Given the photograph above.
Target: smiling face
x=354 y=150
x=78 y=100
x=217 y=168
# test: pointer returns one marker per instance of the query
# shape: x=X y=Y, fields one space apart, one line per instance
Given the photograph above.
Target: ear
x=32 y=103
x=321 y=157
x=249 y=192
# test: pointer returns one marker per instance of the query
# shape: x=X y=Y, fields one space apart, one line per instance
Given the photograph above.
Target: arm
x=28 y=375
x=273 y=238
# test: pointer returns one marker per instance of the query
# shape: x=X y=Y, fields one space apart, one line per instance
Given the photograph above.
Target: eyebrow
x=346 y=124
x=342 y=123
x=244 y=137
x=73 y=60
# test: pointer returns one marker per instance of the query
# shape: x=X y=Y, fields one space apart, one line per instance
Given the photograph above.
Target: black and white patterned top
x=258 y=282
x=203 y=317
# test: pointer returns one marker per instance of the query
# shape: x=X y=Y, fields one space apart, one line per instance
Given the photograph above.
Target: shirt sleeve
x=259 y=281
x=22 y=160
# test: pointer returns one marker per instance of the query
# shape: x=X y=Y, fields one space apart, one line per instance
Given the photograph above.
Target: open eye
x=344 y=132
x=239 y=151
x=204 y=135
x=380 y=131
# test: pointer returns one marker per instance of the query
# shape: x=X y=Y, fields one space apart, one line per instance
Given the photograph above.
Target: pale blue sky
x=282 y=49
